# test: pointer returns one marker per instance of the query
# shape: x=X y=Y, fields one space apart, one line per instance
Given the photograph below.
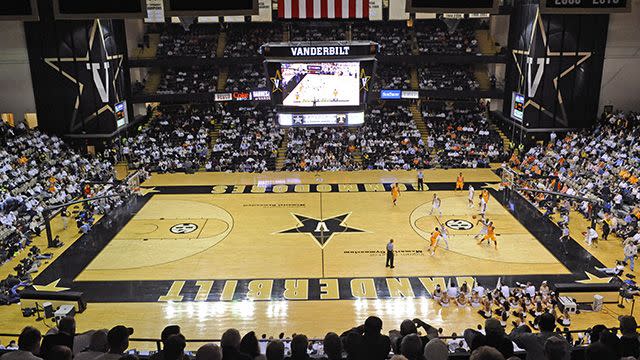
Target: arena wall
x=620 y=77
x=16 y=93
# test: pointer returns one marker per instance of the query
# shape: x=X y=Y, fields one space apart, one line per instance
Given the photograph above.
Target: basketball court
x=281 y=248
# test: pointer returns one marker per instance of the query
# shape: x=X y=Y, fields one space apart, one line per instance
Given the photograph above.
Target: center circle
x=184 y=228
x=459 y=224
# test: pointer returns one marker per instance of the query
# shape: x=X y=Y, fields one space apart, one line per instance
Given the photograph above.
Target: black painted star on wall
x=88 y=72
x=559 y=63
x=322 y=230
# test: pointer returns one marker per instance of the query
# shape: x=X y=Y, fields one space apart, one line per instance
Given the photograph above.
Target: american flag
x=323 y=9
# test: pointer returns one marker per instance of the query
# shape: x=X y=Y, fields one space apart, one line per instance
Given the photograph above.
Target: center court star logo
x=540 y=55
x=322 y=230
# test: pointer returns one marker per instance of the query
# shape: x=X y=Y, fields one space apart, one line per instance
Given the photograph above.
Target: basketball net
x=507 y=178
x=133 y=182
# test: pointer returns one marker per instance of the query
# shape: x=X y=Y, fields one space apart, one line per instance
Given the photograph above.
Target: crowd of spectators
x=462 y=138
x=447 y=77
x=413 y=339
x=392 y=77
x=390 y=140
x=188 y=81
x=37 y=172
x=318 y=32
x=244 y=40
x=245 y=77
x=600 y=165
x=177 y=138
x=200 y=40
x=248 y=140
x=435 y=38
x=321 y=149
x=394 y=37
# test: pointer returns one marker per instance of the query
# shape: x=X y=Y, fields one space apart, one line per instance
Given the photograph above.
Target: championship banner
x=375 y=9
x=323 y=9
x=264 y=12
x=78 y=74
x=155 y=11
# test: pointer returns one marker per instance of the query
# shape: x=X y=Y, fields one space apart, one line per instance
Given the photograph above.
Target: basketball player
x=485 y=195
x=435 y=205
x=485 y=228
x=395 y=193
x=444 y=236
x=483 y=206
x=471 y=193
x=459 y=182
x=565 y=238
x=435 y=235
x=491 y=235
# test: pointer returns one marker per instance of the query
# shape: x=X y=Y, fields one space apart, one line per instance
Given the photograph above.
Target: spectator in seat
x=299 y=345
x=411 y=347
x=28 y=345
x=486 y=353
x=494 y=336
x=436 y=349
x=629 y=343
x=60 y=352
x=230 y=344
x=64 y=337
x=375 y=346
x=249 y=345
x=275 y=350
x=174 y=350
x=533 y=344
x=555 y=349
x=167 y=332
x=209 y=352
x=599 y=351
x=332 y=346
x=98 y=345
x=118 y=339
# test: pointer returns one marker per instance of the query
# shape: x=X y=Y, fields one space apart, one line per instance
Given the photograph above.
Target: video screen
x=517 y=106
x=321 y=84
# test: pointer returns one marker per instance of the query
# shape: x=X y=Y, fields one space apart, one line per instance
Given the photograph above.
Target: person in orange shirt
x=460 y=182
x=395 y=193
x=434 y=241
x=490 y=236
x=485 y=195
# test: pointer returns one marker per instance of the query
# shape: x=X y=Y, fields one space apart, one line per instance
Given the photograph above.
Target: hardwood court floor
x=211 y=251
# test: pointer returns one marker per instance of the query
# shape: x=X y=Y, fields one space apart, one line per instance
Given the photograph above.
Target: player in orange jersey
x=434 y=241
x=395 y=193
x=460 y=182
x=490 y=236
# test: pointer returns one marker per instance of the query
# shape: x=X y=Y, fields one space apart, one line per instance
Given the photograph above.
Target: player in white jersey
x=444 y=236
x=435 y=205
x=485 y=228
x=483 y=206
x=471 y=193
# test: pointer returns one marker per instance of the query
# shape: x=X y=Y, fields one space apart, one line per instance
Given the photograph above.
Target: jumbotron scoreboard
x=320 y=83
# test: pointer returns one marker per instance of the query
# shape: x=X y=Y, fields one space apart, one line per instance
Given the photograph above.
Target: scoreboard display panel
x=18 y=10
x=321 y=84
x=453 y=6
x=584 y=6
x=210 y=7
x=91 y=9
